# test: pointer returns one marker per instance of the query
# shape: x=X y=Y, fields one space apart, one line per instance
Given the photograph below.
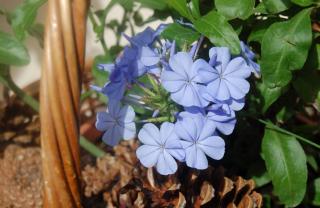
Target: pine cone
x=125 y=183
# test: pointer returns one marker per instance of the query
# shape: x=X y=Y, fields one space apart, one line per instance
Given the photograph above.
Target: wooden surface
x=63 y=60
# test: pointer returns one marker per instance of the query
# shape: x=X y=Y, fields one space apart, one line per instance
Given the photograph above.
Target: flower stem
x=279 y=129
x=6 y=79
x=95 y=27
x=90 y=147
x=156 y=120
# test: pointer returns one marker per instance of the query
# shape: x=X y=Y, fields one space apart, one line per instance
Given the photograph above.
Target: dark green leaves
x=181 y=6
x=12 y=52
x=22 y=18
x=219 y=31
x=285 y=47
x=304 y=2
x=180 y=34
x=286 y=165
x=316 y=197
x=276 y=6
x=232 y=9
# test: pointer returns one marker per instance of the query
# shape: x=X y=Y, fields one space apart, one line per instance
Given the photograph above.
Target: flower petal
x=148 y=155
x=237 y=67
x=181 y=63
x=238 y=87
x=127 y=114
x=207 y=130
x=166 y=164
x=226 y=127
x=172 y=81
x=129 y=131
x=223 y=57
x=166 y=130
x=183 y=130
x=115 y=90
x=112 y=136
x=149 y=134
x=149 y=57
x=104 y=121
x=202 y=72
x=213 y=146
x=195 y=158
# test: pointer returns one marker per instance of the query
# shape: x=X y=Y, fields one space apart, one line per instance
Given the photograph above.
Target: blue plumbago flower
x=221 y=115
x=183 y=82
x=160 y=148
x=129 y=66
x=227 y=78
x=249 y=56
x=117 y=123
x=198 y=138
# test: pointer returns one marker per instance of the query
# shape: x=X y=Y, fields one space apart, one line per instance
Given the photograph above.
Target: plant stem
x=9 y=83
x=90 y=147
x=274 y=127
x=156 y=120
x=100 y=36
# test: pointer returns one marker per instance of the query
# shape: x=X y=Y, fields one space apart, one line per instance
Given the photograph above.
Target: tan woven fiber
x=63 y=61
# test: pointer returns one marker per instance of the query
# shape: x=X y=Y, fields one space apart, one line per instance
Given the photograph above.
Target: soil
x=20 y=162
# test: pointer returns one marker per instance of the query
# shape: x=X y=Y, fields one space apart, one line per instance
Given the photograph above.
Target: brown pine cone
x=123 y=182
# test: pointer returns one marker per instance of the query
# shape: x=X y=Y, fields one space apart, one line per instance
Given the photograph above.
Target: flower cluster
x=193 y=100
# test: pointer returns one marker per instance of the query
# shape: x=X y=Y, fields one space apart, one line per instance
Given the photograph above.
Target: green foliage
x=285 y=47
x=219 y=31
x=182 y=35
x=12 y=51
x=316 y=197
x=22 y=18
x=286 y=165
x=181 y=6
x=232 y=9
x=276 y=6
x=304 y=2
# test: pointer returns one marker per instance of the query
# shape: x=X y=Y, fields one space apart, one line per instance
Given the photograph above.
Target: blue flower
x=227 y=78
x=220 y=115
x=198 y=138
x=183 y=82
x=249 y=56
x=160 y=148
x=117 y=123
x=223 y=117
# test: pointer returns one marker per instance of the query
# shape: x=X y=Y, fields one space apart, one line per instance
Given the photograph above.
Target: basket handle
x=63 y=62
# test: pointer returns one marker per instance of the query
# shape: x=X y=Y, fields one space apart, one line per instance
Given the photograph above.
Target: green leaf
x=152 y=4
x=182 y=35
x=276 y=6
x=216 y=27
x=286 y=165
x=304 y=2
x=232 y=9
x=37 y=31
x=12 y=51
x=22 y=18
x=195 y=8
x=260 y=29
x=285 y=47
x=181 y=6
x=126 y=4
x=316 y=197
